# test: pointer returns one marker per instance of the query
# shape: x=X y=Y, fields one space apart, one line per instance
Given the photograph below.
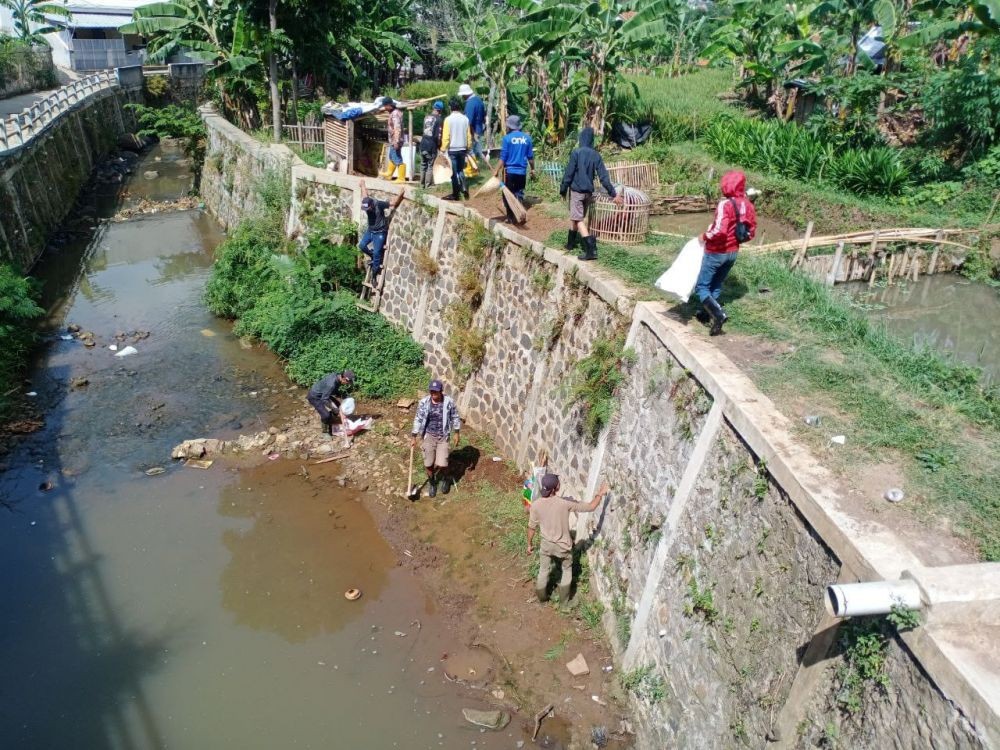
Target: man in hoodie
x=735 y=222
x=475 y=110
x=517 y=153
x=456 y=140
x=578 y=180
x=395 y=141
x=430 y=143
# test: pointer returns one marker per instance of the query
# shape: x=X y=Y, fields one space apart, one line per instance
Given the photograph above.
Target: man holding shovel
x=550 y=514
x=436 y=419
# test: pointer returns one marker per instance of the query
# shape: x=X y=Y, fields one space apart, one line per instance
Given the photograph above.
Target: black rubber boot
x=445 y=485
x=572 y=240
x=719 y=316
x=589 y=248
x=703 y=317
x=432 y=487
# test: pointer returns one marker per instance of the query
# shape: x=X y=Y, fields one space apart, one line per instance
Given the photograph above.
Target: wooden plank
x=801 y=254
x=831 y=278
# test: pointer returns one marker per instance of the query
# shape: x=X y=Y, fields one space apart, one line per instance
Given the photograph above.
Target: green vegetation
x=32 y=18
x=701 y=602
x=298 y=306
x=175 y=121
x=18 y=313
x=644 y=683
x=18 y=59
x=864 y=643
x=595 y=381
x=936 y=416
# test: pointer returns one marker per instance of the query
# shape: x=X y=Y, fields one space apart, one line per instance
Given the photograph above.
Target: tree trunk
x=595 y=100
x=272 y=13
x=548 y=106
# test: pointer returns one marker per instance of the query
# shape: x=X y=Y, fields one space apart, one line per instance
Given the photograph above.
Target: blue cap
x=436 y=385
x=439 y=105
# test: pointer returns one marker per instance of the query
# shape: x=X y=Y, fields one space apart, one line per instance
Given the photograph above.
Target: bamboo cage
x=627 y=224
x=644 y=175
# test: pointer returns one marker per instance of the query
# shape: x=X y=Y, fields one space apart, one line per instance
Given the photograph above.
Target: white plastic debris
x=113 y=347
x=128 y=351
x=894 y=495
x=31 y=393
x=838 y=439
x=66 y=337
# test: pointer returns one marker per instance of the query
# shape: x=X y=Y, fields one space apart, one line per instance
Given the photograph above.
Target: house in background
x=90 y=40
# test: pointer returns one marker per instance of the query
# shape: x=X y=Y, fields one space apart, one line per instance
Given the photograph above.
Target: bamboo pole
x=872 y=253
x=917 y=255
x=904 y=263
x=892 y=263
x=801 y=254
x=831 y=278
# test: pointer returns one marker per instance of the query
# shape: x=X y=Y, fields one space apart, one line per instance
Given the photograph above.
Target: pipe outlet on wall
x=871 y=598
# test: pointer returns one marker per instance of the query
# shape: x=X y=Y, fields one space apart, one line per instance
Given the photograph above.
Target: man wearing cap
x=325 y=396
x=456 y=140
x=430 y=143
x=475 y=110
x=517 y=153
x=437 y=418
x=395 y=141
x=550 y=513
x=373 y=240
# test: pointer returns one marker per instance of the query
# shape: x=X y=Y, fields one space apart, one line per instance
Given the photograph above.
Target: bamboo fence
x=644 y=175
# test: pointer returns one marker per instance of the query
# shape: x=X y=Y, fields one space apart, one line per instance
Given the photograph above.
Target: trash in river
x=490 y=719
x=45 y=486
x=31 y=393
x=113 y=347
x=894 y=495
x=352 y=594
x=207 y=333
x=497 y=459
x=273 y=456
x=128 y=351
x=598 y=701
x=401 y=634
x=199 y=463
x=155 y=471
x=838 y=439
x=813 y=420
x=66 y=337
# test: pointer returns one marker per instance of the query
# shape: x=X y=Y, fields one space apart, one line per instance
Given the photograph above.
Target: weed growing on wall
x=596 y=379
x=18 y=312
x=644 y=683
x=298 y=306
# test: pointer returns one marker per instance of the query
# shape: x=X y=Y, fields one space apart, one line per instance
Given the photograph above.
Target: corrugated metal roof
x=91 y=20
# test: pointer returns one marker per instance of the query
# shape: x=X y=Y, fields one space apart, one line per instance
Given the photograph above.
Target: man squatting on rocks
x=578 y=180
x=373 y=241
x=517 y=153
x=326 y=394
x=436 y=419
x=550 y=514
x=735 y=223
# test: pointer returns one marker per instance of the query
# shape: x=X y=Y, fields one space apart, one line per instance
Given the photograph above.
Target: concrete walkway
x=16 y=104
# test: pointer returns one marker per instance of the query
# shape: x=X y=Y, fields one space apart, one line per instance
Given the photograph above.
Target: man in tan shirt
x=550 y=513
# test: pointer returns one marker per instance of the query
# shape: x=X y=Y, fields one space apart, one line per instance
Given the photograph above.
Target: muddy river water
x=193 y=608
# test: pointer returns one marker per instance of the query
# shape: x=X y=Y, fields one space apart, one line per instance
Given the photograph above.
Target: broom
x=520 y=213
x=490 y=186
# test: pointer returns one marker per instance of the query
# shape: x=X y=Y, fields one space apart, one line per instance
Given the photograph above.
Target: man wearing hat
x=437 y=418
x=325 y=396
x=550 y=513
x=395 y=140
x=517 y=153
x=475 y=110
x=430 y=143
x=373 y=240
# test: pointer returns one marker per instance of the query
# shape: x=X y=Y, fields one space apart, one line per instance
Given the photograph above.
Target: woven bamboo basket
x=644 y=175
x=627 y=224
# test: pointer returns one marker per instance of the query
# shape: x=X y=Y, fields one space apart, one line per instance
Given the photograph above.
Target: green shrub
x=595 y=381
x=18 y=311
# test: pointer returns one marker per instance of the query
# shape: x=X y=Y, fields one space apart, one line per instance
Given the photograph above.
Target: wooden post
x=932 y=268
x=801 y=254
x=904 y=264
x=850 y=266
x=892 y=264
x=831 y=278
x=917 y=255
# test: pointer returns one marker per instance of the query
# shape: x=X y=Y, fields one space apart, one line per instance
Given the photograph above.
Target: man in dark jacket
x=430 y=143
x=325 y=396
x=722 y=242
x=373 y=240
x=578 y=180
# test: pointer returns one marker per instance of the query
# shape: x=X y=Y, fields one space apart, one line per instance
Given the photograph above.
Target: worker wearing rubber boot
x=735 y=223
x=578 y=181
x=550 y=514
x=326 y=394
x=435 y=422
x=395 y=141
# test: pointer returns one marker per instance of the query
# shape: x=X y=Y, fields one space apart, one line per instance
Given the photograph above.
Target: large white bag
x=681 y=277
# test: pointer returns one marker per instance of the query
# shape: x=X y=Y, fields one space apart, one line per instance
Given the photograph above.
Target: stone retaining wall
x=712 y=556
x=40 y=182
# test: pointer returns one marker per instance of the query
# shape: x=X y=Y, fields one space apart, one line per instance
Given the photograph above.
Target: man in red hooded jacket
x=721 y=245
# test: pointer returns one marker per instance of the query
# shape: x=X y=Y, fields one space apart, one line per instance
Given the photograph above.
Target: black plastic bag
x=630 y=136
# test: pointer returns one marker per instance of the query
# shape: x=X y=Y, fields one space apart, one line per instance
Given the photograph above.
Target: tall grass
x=788 y=150
x=18 y=313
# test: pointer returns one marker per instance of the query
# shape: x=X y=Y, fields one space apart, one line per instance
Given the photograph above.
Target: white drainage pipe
x=873 y=598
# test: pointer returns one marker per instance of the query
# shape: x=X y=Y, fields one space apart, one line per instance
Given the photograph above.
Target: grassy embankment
x=301 y=302
x=937 y=420
x=18 y=313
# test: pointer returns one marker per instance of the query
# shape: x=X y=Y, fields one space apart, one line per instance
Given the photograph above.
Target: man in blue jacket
x=578 y=180
x=475 y=110
x=517 y=153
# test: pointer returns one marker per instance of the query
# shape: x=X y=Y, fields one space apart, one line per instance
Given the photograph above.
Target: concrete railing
x=19 y=130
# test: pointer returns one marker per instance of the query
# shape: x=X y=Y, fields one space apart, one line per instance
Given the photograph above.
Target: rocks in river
x=490 y=719
x=150 y=174
x=80 y=382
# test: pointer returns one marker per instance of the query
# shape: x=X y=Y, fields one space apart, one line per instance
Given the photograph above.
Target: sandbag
x=682 y=275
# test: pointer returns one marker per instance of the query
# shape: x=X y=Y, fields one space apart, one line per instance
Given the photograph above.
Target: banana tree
x=608 y=33
x=32 y=13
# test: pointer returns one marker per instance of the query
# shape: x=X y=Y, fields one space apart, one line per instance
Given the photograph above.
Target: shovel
x=411 y=491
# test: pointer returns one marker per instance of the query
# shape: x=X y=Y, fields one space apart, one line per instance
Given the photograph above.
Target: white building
x=90 y=40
